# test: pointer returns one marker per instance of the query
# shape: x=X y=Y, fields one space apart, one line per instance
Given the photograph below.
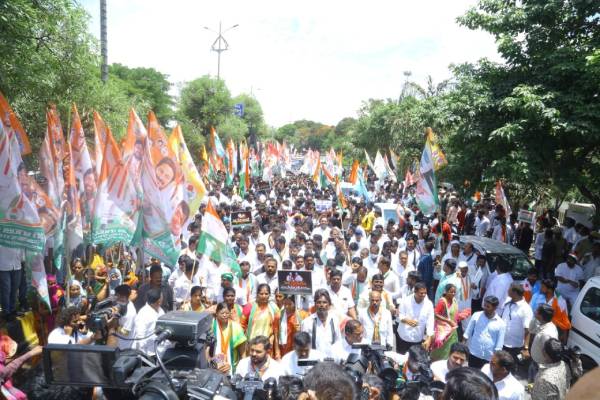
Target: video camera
x=132 y=374
x=103 y=312
x=373 y=355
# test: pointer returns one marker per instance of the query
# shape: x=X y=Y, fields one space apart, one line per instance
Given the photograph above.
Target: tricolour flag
x=101 y=132
x=134 y=144
x=214 y=241
x=501 y=198
x=216 y=143
x=72 y=211
x=341 y=199
x=353 y=173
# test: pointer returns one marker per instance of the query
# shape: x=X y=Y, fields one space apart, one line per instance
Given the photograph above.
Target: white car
x=585 y=324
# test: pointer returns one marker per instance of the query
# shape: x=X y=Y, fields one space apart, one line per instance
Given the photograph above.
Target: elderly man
x=377 y=321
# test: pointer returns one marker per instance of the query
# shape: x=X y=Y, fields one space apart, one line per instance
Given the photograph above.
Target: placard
x=322 y=205
x=295 y=282
x=241 y=218
x=526 y=216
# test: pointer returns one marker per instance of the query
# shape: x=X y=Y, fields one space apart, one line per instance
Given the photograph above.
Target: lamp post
x=220 y=44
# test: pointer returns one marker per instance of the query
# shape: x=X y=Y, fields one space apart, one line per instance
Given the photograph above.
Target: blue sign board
x=239 y=109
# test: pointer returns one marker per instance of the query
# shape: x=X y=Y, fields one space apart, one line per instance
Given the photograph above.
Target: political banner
x=241 y=218
x=323 y=205
x=293 y=282
x=526 y=216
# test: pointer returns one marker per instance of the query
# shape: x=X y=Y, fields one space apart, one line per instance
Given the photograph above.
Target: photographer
x=71 y=329
x=126 y=321
x=302 y=351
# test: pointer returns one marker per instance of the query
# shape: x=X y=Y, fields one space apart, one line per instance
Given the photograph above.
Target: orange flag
x=11 y=122
x=353 y=173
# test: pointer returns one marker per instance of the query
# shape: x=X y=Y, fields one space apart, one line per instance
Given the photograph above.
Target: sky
x=316 y=60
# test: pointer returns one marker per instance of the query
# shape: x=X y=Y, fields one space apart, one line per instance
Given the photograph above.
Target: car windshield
x=520 y=264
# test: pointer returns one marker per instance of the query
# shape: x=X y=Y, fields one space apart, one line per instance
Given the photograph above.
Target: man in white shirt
x=499 y=371
x=371 y=261
x=341 y=297
x=259 y=363
x=183 y=285
x=269 y=276
x=145 y=322
x=416 y=317
x=499 y=286
x=412 y=252
x=402 y=268
x=302 y=351
x=517 y=315
x=570 y=279
x=469 y=256
x=391 y=279
x=70 y=329
x=353 y=334
x=323 y=229
x=459 y=353
x=323 y=326
x=10 y=278
x=482 y=224
x=247 y=283
x=377 y=322
x=126 y=321
x=591 y=262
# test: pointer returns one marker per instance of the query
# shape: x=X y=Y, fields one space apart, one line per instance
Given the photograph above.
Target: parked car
x=495 y=250
x=388 y=211
x=585 y=324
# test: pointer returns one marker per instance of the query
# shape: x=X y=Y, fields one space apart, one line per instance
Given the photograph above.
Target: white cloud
x=304 y=60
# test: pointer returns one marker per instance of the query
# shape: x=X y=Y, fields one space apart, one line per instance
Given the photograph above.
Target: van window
x=590 y=305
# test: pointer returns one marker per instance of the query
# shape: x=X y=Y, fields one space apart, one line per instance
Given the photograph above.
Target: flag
x=340 y=195
x=133 y=145
x=38 y=275
x=203 y=155
x=408 y=179
x=216 y=143
x=361 y=187
x=426 y=192
x=379 y=166
x=353 y=173
x=20 y=224
x=245 y=171
x=501 y=198
x=72 y=211
x=214 y=241
x=389 y=170
x=194 y=187
x=117 y=209
x=12 y=123
x=369 y=161
x=438 y=157
x=101 y=131
x=394 y=160
x=85 y=174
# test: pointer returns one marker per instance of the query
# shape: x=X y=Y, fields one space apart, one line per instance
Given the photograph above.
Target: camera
x=104 y=311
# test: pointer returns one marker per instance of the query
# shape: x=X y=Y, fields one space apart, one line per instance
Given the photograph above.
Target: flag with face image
x=117 y=208
x=134 y=145
x=84 y=173
x=72 y=207
x=20 y=224
x=101 y=131
x=163 y=198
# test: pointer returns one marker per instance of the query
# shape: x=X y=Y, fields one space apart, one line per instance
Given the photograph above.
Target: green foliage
x=307 y=134
x=205 y=102
x=147 y=84
x=253 y=114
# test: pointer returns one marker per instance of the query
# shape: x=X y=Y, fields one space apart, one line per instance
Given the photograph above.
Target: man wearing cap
x=570 y=279
x=227 y=282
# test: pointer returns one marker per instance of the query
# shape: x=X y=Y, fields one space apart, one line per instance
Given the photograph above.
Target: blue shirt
x=485 y=335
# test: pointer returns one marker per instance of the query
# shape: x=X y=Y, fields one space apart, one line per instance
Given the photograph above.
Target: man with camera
x=71 y=329
x=126 y=321
x=298 y=362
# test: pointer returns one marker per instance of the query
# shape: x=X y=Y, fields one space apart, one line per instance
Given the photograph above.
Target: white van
x=585 y=324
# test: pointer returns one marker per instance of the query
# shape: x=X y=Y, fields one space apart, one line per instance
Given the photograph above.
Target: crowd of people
x=408 y=284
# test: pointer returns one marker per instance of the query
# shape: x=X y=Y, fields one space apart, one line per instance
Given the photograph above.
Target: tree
x=253 y=115
x=539 y=113
x=147 y=84
x=204 y=102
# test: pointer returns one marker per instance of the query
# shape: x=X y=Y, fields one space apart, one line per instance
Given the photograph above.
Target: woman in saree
x=195 y=303
x=236 y=313
x=449 y=276
x=290 y=322
x=446 y=314
x=228 y=347
x=262 y=318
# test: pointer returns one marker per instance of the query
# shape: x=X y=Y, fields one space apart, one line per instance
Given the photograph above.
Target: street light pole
x=220 y=45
